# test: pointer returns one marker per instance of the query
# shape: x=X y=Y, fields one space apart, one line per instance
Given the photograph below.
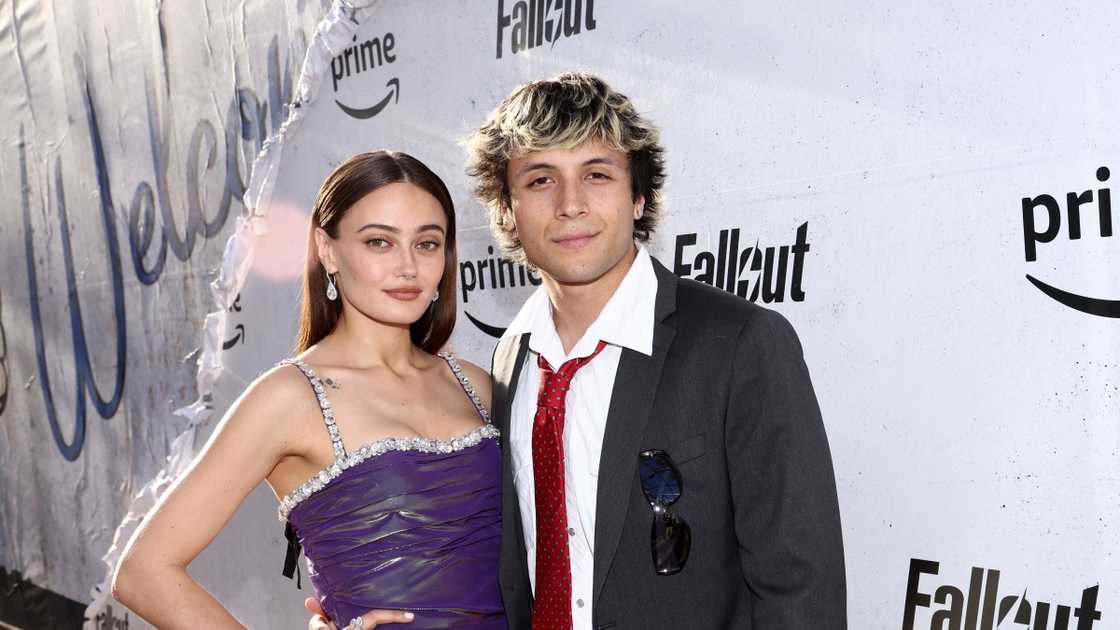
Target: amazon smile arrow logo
x=394 y=86
x=1090 y=305
x=1033 y=236
x=494 y=331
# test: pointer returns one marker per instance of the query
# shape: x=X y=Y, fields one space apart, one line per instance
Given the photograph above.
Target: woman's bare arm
x=255 y=434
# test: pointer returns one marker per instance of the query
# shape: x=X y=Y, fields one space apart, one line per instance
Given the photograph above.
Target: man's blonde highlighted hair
x=563 y=113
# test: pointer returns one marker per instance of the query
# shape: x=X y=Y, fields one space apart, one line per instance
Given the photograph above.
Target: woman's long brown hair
x=353 y=179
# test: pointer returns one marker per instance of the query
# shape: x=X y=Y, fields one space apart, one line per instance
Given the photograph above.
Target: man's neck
x=576 y=307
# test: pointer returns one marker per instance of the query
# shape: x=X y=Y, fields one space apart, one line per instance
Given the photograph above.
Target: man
x=665 y=463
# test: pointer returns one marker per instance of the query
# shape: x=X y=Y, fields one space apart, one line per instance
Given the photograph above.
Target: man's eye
x=598 y=175
x=540 y=181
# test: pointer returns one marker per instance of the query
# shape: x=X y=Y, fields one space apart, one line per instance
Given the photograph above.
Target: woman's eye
x=377 y=243
x=429 y=246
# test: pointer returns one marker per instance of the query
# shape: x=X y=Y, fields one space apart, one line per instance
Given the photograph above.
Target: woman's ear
x=324 y=246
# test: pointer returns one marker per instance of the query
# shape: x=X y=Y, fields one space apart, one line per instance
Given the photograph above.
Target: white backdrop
x=884 y=150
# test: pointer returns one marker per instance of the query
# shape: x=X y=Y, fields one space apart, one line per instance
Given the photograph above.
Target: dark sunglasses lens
x=670 y=540
x=660 y=481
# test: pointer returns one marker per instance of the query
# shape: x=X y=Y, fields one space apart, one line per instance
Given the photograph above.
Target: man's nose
x=573 y=199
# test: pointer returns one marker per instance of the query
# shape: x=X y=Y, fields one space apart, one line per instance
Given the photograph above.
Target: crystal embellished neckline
x=344 y=460
x=375 y=449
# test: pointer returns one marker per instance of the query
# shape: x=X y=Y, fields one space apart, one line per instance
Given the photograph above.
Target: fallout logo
x=750 y=270
x=980 y=606
x=532 y=23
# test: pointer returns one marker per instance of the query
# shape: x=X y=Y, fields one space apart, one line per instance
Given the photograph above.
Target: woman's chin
x=396 y=315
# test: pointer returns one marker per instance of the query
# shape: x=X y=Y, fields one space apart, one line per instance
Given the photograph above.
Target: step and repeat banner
x=923 y=189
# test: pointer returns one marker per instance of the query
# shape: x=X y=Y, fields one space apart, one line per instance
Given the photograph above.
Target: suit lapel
x=508 y=357
x=635 y=388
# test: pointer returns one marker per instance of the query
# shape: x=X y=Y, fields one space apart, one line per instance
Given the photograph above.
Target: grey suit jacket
x=727 y=395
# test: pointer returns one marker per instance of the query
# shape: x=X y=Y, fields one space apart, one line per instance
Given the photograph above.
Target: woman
x=381 y=451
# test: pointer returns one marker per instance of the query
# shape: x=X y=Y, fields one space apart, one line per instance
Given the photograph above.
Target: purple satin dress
x=405 y=523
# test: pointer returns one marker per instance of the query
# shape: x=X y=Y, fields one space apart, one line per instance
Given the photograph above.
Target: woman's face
x=389 y=253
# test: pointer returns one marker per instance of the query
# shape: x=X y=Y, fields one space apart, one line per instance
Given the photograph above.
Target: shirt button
x=571 y=531
x=579 y=602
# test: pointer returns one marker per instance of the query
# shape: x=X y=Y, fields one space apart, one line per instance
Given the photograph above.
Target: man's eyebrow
x=602 y=160
x=533 y=166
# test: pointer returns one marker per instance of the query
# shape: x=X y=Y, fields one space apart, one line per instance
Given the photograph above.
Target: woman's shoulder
x=475 y=375
x=282 y=389
x=273 y=412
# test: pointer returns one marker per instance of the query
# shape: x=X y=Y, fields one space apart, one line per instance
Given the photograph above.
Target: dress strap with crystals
x=468 y=387
x=324 y=405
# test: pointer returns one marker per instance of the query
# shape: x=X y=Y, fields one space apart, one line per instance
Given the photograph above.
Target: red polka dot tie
x=552 y=606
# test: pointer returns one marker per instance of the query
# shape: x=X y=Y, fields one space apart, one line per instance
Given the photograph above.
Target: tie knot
x=568 y=368
x=555 y=384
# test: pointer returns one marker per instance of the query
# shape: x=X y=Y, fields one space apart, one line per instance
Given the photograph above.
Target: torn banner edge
x=332 y=34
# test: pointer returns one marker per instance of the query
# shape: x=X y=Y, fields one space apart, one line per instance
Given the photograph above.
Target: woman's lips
x=404 y=294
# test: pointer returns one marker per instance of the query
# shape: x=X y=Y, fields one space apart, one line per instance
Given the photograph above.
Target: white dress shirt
x=625 y=322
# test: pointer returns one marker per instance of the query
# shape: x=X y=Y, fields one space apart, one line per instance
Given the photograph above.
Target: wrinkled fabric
x=409 y=530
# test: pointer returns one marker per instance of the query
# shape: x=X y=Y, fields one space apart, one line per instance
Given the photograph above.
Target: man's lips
x=403 y=294
x=574 y=241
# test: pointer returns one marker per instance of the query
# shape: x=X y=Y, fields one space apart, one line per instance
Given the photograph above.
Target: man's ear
x=324 y=246
x=639 y=207
x=505 y=213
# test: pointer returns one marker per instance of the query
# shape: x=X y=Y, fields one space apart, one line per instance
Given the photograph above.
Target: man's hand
x=370 y=620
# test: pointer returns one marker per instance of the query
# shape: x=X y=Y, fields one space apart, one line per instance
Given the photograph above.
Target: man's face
x=573 y=210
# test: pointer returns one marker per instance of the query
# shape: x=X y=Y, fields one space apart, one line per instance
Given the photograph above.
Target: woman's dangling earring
x=332 y=291
x=435 y=296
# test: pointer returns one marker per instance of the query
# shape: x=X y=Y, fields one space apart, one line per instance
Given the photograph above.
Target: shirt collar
x=625 y=321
